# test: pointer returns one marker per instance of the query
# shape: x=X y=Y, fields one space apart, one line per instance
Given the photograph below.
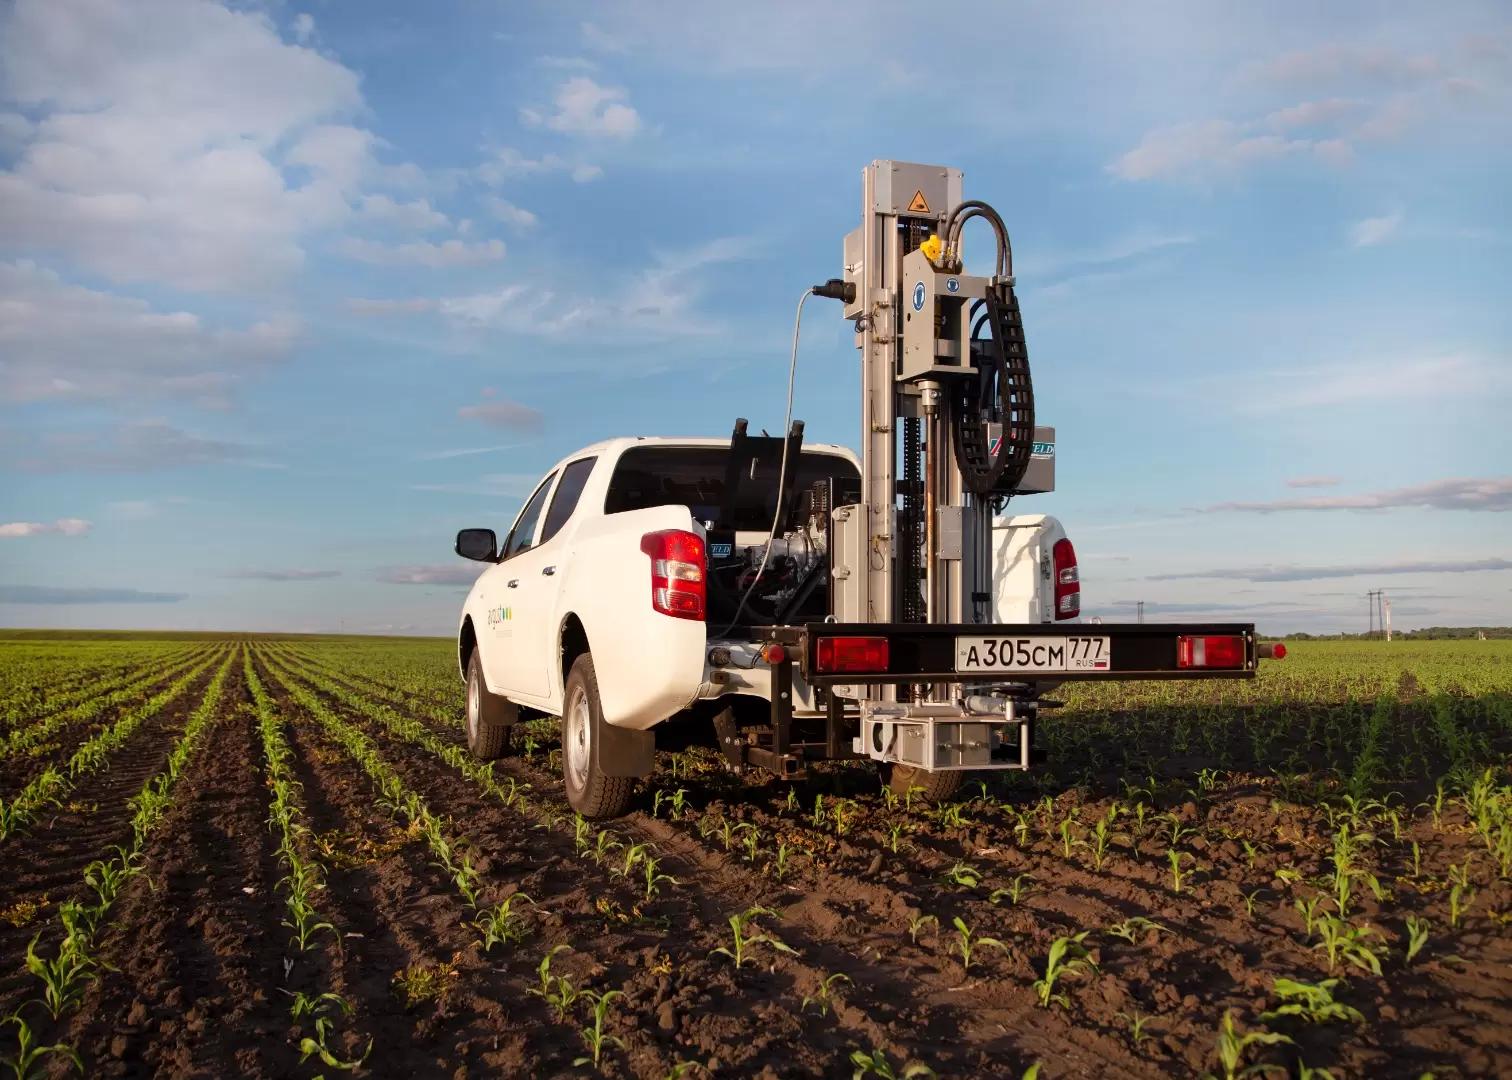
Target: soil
x=203 y=971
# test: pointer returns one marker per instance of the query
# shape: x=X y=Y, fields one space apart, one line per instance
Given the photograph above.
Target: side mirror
x=479 y=545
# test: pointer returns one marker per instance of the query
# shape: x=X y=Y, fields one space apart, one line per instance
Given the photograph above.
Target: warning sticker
x=918 y=204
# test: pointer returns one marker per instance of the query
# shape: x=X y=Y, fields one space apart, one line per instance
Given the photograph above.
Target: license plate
x=996 y=654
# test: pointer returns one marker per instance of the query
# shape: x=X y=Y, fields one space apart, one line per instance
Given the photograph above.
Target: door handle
x=548 y=570
x=514 y=583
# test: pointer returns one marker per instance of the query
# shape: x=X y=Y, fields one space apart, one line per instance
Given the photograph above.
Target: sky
x=290 y=292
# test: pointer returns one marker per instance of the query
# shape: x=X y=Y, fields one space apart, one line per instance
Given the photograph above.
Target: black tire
x=489 y=717
x=936 y=787
x=589 y=791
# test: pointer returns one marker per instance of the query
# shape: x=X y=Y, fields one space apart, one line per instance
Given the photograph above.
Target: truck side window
x=568 y=491
x=523 y=534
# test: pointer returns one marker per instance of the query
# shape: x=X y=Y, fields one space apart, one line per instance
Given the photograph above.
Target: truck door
x=538 y=569
x=512 y=622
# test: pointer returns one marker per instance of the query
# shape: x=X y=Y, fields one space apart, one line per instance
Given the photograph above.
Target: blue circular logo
x=919 y=297
x=952 y=285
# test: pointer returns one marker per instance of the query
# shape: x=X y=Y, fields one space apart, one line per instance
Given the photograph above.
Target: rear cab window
x=568 y=492
x=694 y=476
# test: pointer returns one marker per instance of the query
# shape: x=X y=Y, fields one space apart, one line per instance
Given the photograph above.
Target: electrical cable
x=787 y=426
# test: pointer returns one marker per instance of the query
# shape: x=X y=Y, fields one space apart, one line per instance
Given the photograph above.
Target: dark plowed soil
x=204 y=971
x=44 y=865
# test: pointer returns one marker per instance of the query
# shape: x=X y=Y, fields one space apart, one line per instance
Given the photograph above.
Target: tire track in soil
x=21 y=768
x=198 y=951
x=49 y=859
x=883 y=1002
x=711 y=1011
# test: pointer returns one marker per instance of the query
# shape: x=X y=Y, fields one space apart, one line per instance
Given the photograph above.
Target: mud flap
x=624 y=751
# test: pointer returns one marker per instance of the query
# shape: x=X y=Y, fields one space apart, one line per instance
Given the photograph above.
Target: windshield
x=694 y=476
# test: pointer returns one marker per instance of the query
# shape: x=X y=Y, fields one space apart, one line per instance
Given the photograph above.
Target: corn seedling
x=876 y=1063
x=654 y=879
x=1313 y=1002
x=1232 y=1047
x=1068 y=956
x=594 y=1037
x=1133 y=927
x=968 y=942
x=963 y=876
x=1137 y=1024
x=824 y=995
x=500 y=924
x=318 y=1047
x=744 y=937
x=1178 y=875
x=28 y=1053
x=1417 y=936
x=1016 y=890
x=1342 y=941
x=64 y=976
x=917 y=923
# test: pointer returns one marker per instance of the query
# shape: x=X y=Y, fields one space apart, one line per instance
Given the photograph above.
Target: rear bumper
x=927 y=653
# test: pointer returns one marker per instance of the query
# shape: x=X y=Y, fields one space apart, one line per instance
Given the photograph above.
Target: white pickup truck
x=633 y=597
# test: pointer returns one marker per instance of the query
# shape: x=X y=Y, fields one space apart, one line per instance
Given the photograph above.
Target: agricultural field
x=272 y=857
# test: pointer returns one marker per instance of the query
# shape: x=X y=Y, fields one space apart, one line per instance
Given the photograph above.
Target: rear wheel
x=489 y=716
x=930 y=787
x=590 y=791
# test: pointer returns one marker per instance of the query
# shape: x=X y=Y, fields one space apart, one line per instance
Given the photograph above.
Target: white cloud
x=508 y=163
x=1211 y=148
x=584 y=173
x=583 y=107
x=1376 y=230
x=417 y=215
x=177 y=141
x=423 y=252
x=1316 y=573
x=65 y=342
x=304 y=28
x=399 y=306
x=1414 y=378
x=1493 y=494
x=61 y=527
x=509 y=213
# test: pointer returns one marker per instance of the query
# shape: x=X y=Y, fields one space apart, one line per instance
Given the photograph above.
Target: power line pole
x=1370 y=601
x=1140 y=614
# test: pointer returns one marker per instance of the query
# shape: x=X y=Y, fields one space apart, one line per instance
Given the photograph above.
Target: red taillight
x=677 y=573
x=857 y=654
x=1210 y=652
x=1067 y=580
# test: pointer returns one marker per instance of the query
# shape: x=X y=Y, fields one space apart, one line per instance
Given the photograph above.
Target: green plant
x=318 y=1047
x=1016 y=890
x=962 y=875
x=1068 y=956
x=1177 y=874
x=967 y=942
x=1132 y=927
x=1232 y=1047
x=594 y=1037
x=1341 y=940
x=64 y=976
x=28 y=1053
x=1417 y=936
x=1137 y=1023
x=501 y=924
x=743 y=938
x=650 y=869
x=917 y=923
x=1313 y=1002
x=876 y=1063
x=825 y=993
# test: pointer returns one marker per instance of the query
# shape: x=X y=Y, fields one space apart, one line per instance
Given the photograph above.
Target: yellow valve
x=931 y=248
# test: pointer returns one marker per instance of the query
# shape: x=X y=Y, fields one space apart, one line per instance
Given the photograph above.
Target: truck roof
x=624 y=442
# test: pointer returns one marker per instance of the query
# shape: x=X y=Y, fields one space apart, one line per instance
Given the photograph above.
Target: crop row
x=49 y=788
x=66 y=973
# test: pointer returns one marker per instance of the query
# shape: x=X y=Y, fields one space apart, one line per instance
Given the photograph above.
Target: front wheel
x=590 y=791
x=489 y=717
x=929 y=787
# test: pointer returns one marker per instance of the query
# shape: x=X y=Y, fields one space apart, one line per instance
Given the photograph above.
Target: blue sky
x=290 y=292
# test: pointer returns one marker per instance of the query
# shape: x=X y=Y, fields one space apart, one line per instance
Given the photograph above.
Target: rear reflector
x=851 y=654
x=1222 y=652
